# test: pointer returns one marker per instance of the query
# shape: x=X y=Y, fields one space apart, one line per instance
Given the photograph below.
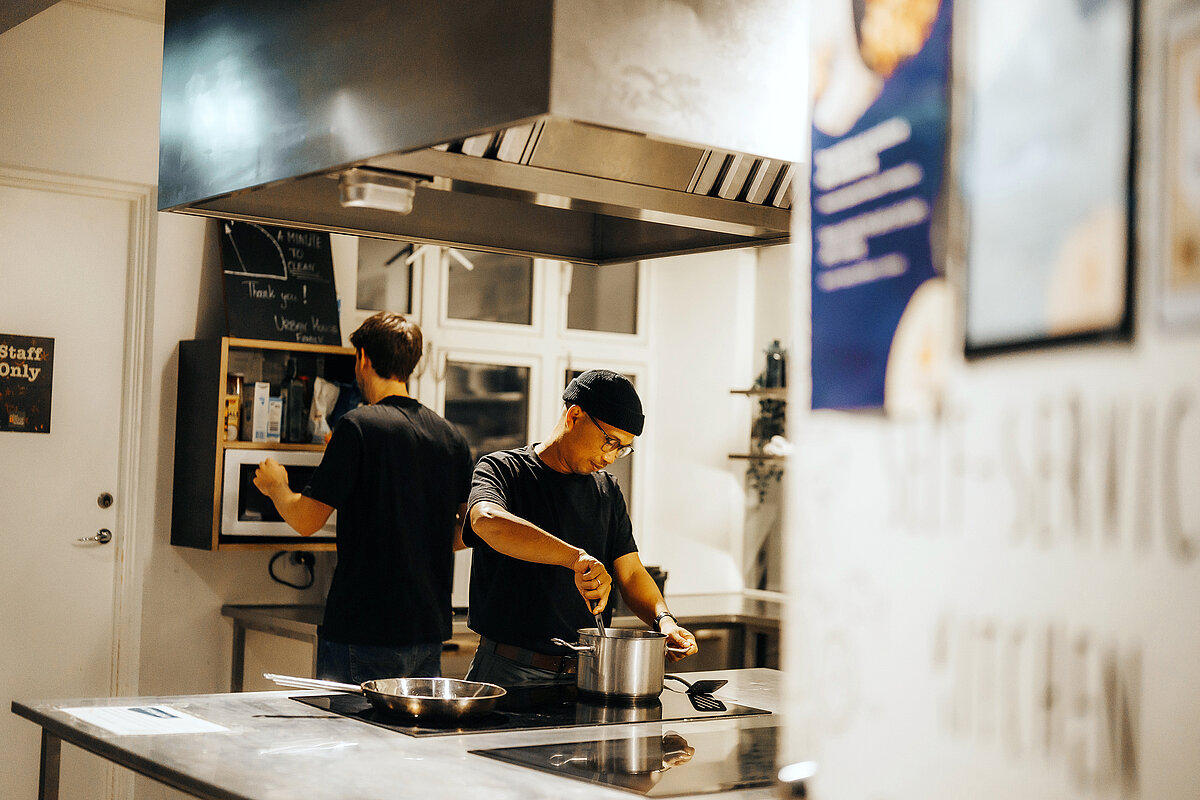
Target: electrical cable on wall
x=305 y=559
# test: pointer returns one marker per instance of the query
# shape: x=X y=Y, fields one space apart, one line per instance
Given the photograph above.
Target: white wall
x=702 y=323
x=1005 y=601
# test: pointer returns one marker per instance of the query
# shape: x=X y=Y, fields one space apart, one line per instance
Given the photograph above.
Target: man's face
x=592 y=445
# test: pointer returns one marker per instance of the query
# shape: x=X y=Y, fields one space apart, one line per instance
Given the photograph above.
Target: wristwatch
x=658 y=620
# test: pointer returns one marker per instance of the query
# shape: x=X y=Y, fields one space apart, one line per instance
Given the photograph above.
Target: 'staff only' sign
x=26 y=374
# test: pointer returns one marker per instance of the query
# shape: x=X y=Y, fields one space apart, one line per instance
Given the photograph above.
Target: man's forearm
x=643 y=597
x=513 y=536
x=303 y=514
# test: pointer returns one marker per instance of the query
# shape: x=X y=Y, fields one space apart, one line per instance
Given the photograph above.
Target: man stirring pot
x=551 y=535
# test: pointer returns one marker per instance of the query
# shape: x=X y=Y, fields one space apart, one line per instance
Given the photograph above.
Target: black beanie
x=609 y=397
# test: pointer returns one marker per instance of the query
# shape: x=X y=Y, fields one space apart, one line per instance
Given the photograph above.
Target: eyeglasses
x=611 y=444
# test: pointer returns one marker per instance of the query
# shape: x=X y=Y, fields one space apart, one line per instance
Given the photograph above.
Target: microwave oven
x=245 y=511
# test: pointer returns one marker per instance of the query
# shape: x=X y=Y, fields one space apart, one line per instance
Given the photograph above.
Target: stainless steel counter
x=274 y=747
x=753 y=624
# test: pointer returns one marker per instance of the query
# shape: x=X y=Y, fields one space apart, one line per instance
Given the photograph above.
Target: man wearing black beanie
x=552 y=535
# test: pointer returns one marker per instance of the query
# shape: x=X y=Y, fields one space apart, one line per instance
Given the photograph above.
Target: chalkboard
x=279 y=284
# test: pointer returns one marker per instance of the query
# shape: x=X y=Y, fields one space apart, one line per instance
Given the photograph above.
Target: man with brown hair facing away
x=398 y=475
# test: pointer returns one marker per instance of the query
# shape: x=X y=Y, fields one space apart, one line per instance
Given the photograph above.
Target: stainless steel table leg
x=239 y=657
x=48 y=773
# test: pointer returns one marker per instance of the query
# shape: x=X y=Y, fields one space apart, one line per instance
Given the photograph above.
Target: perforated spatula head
x=705 y=702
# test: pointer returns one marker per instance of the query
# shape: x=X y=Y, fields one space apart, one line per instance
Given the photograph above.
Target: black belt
x=562 y=665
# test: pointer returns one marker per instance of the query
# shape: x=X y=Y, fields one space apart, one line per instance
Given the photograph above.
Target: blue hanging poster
x=880 y=78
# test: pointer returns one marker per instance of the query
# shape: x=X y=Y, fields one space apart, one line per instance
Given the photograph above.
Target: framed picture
x=1047 y=172
x=1179 y=279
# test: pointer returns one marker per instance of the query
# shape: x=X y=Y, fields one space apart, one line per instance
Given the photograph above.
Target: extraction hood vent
x=593 y=131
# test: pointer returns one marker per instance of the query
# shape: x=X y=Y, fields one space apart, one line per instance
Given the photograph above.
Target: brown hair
x=392 y=341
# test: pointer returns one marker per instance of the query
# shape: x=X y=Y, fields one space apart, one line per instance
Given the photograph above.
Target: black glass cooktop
x=659 y=763
x=541 y=705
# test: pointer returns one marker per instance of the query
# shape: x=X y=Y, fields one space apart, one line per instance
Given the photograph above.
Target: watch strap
x=658 y=619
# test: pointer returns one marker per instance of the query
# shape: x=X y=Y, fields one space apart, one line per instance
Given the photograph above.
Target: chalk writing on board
x=26 y=373
x=279 y=284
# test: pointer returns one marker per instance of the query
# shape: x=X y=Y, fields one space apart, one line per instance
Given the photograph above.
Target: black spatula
x=700 y=693
x=707 y=686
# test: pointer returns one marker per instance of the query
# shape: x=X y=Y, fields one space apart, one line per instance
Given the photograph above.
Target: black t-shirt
x=396 y=473
x=525 y=604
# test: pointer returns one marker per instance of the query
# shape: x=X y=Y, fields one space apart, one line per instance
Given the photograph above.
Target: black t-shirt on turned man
x=396 y=472
x=525 y=604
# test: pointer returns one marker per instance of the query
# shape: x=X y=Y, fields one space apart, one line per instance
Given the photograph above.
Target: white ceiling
x=14 y=12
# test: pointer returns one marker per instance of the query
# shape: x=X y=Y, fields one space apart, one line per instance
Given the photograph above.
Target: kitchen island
x=268 y=745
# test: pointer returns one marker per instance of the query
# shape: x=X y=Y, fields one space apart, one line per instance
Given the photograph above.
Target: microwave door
x=248 y=512
x=253 y=505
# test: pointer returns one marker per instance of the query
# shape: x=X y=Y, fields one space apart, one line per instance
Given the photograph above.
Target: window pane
x=622 y=468
x=494 y=288
x=384 y=275
x=603 y=298
x=490 y=405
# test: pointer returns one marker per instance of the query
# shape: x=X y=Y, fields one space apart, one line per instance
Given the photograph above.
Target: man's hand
x=678 y=637
x=593 y=582
x=270 y=477
x=305 y=515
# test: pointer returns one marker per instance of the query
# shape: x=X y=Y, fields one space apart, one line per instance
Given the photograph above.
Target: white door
x=64 y=260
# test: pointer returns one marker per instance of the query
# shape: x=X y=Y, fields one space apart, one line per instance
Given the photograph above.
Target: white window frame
x=500 y=358
x=416 y=289
x=640 y=339
x=447 y=323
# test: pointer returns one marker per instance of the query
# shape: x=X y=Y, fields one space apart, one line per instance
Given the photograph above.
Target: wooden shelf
x=758 y=391
x=200 y=444
x=240 y=445
x=297 y=543
x=757 y=457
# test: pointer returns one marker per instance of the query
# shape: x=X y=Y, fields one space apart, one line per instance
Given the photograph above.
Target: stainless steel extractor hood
x=594 y=131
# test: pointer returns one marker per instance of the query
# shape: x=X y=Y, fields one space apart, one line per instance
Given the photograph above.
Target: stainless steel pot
x=420 y=698
x=621 y=664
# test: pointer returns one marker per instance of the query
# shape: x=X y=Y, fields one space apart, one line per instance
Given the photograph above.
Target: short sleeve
x=488 y=483
x=335 y=477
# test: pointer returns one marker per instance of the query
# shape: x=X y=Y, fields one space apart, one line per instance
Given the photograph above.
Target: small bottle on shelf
x=295 y=410
x=775 y=376
x=233 y=405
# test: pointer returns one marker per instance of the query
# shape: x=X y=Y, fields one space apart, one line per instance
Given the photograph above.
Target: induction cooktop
x=659 y=763
x=539 y=705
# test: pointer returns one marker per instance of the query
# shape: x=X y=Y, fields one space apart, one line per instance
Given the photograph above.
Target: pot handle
x=578 y=648
x=312 y=683
x=676 y=649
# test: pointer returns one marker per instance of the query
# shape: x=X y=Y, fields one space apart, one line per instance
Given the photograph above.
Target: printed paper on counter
x=143 y=720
